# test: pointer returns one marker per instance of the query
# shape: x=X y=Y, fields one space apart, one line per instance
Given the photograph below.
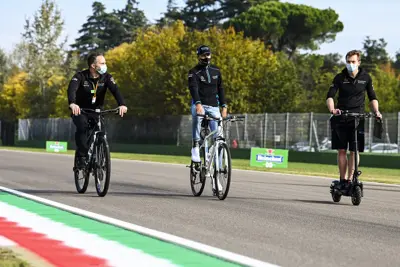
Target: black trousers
x=82 y=126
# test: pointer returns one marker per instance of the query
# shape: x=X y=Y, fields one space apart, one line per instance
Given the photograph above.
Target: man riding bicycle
x=206 y=89
x=352 y=83
x=87 y=89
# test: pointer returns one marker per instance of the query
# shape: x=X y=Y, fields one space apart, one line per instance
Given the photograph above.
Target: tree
x=154 y=69
x=132 y=19
x=92 y=31
x=287 y=27
x=197 y=14
x=204 y=14
x=4 y=68
x=45 y=57
x=104 y=31
x=387 y=88
x=374 y=53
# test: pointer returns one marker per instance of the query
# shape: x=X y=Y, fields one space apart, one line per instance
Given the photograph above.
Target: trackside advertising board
x=269 y=158
x=56 y=146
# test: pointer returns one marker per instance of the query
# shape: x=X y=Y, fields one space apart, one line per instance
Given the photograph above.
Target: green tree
x=154 y=69
x=287 y=27
x=92 y=31
x=387 y=88
x=132 y=19
x=104 y=31
x=45 y=57
x=374 y=53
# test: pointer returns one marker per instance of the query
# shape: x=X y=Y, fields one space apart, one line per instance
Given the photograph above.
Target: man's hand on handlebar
x=122 y=110
x=336 y=111
x=224 y=112
x=75 y=109
x=199 y=109
x=378 y=115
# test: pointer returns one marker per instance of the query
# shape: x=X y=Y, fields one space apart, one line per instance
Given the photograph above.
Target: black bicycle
x=97 y=161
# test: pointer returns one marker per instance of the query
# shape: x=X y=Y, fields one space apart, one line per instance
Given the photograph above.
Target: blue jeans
x=196 y=121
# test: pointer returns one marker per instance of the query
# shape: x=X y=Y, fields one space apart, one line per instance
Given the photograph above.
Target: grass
x=10 y=259
x=391 y=176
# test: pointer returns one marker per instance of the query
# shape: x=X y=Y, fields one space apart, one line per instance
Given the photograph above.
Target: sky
x=361 y=18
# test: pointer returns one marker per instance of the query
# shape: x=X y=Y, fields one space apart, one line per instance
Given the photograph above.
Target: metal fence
x=294 y=131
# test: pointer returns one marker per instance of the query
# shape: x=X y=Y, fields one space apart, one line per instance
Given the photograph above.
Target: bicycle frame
x=218 y=140
x=95 y=133
x=214 y=148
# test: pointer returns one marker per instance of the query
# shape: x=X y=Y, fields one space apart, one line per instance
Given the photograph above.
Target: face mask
x=205 y=61
x=103 y=69
x=351 y=67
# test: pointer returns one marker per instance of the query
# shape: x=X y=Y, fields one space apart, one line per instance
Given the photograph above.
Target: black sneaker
x=81 y=162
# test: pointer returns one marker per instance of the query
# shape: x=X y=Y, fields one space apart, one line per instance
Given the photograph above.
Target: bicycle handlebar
x=99 y=111
x=228 y=118
x=346 y=113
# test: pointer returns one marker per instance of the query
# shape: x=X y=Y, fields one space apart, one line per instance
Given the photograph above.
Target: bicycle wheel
x=102 y=171
x=223 y=175
x=197 y=175
x=81 y=182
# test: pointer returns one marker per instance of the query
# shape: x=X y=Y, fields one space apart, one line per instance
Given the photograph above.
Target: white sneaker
x=196 y=154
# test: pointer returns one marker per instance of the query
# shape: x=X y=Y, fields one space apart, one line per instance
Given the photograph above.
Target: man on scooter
x=352 y=83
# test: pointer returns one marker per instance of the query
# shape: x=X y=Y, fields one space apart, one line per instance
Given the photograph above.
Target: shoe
x=81 y=162
x=196 y=154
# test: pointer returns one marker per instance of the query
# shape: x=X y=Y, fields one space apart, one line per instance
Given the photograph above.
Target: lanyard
x=95 y=88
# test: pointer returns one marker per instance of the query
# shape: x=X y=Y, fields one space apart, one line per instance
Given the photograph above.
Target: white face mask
x=351 y=67
x=103 y=69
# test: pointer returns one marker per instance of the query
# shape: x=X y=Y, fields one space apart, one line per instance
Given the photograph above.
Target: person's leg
x=339 y=142
x=352 y=147
x=196 y=126
x=80 y=122
x=216 y=113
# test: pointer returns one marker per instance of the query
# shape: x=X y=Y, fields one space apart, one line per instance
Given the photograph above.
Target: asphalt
x=282 y=219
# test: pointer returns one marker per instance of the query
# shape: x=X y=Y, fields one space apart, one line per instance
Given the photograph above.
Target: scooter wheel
x=336 y=197
x=356 y=196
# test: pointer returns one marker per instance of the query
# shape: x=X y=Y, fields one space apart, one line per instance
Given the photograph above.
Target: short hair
x=92 y=58
x=352 y=53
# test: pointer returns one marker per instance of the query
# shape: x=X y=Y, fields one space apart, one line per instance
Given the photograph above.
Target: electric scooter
x=355 y=188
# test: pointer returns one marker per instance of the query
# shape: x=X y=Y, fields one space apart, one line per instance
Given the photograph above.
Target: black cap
x=203 y=49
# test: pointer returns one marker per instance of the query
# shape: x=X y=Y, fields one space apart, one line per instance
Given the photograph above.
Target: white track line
x=182 y=165
x=216 y=252
x=4 y=242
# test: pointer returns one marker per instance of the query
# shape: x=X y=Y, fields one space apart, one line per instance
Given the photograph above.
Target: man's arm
x=331 y=94
x=115 y=90
x=194 y=87
x=72 y=88
x=221 y=92
x=372 y=97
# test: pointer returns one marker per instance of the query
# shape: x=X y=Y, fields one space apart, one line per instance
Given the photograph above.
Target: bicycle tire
x=217 y=173
x=79 y=189
x=107 y=165
x=193 y=176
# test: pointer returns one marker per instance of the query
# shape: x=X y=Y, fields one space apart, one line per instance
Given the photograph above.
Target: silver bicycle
x=210 y=167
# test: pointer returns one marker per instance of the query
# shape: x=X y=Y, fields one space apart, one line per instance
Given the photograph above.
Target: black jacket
x=352 y=90
x=81 y=86
x=205 y=85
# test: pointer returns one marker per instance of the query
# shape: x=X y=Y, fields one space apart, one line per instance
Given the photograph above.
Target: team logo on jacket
x=202 y=79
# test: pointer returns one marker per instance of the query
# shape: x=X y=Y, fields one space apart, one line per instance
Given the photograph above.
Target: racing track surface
x=282 y=219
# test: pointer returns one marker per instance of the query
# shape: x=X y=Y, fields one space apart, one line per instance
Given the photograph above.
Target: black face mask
x=205 y=61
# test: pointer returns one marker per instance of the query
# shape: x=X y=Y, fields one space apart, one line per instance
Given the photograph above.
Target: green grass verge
x=10 y=259
x=391 y=176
